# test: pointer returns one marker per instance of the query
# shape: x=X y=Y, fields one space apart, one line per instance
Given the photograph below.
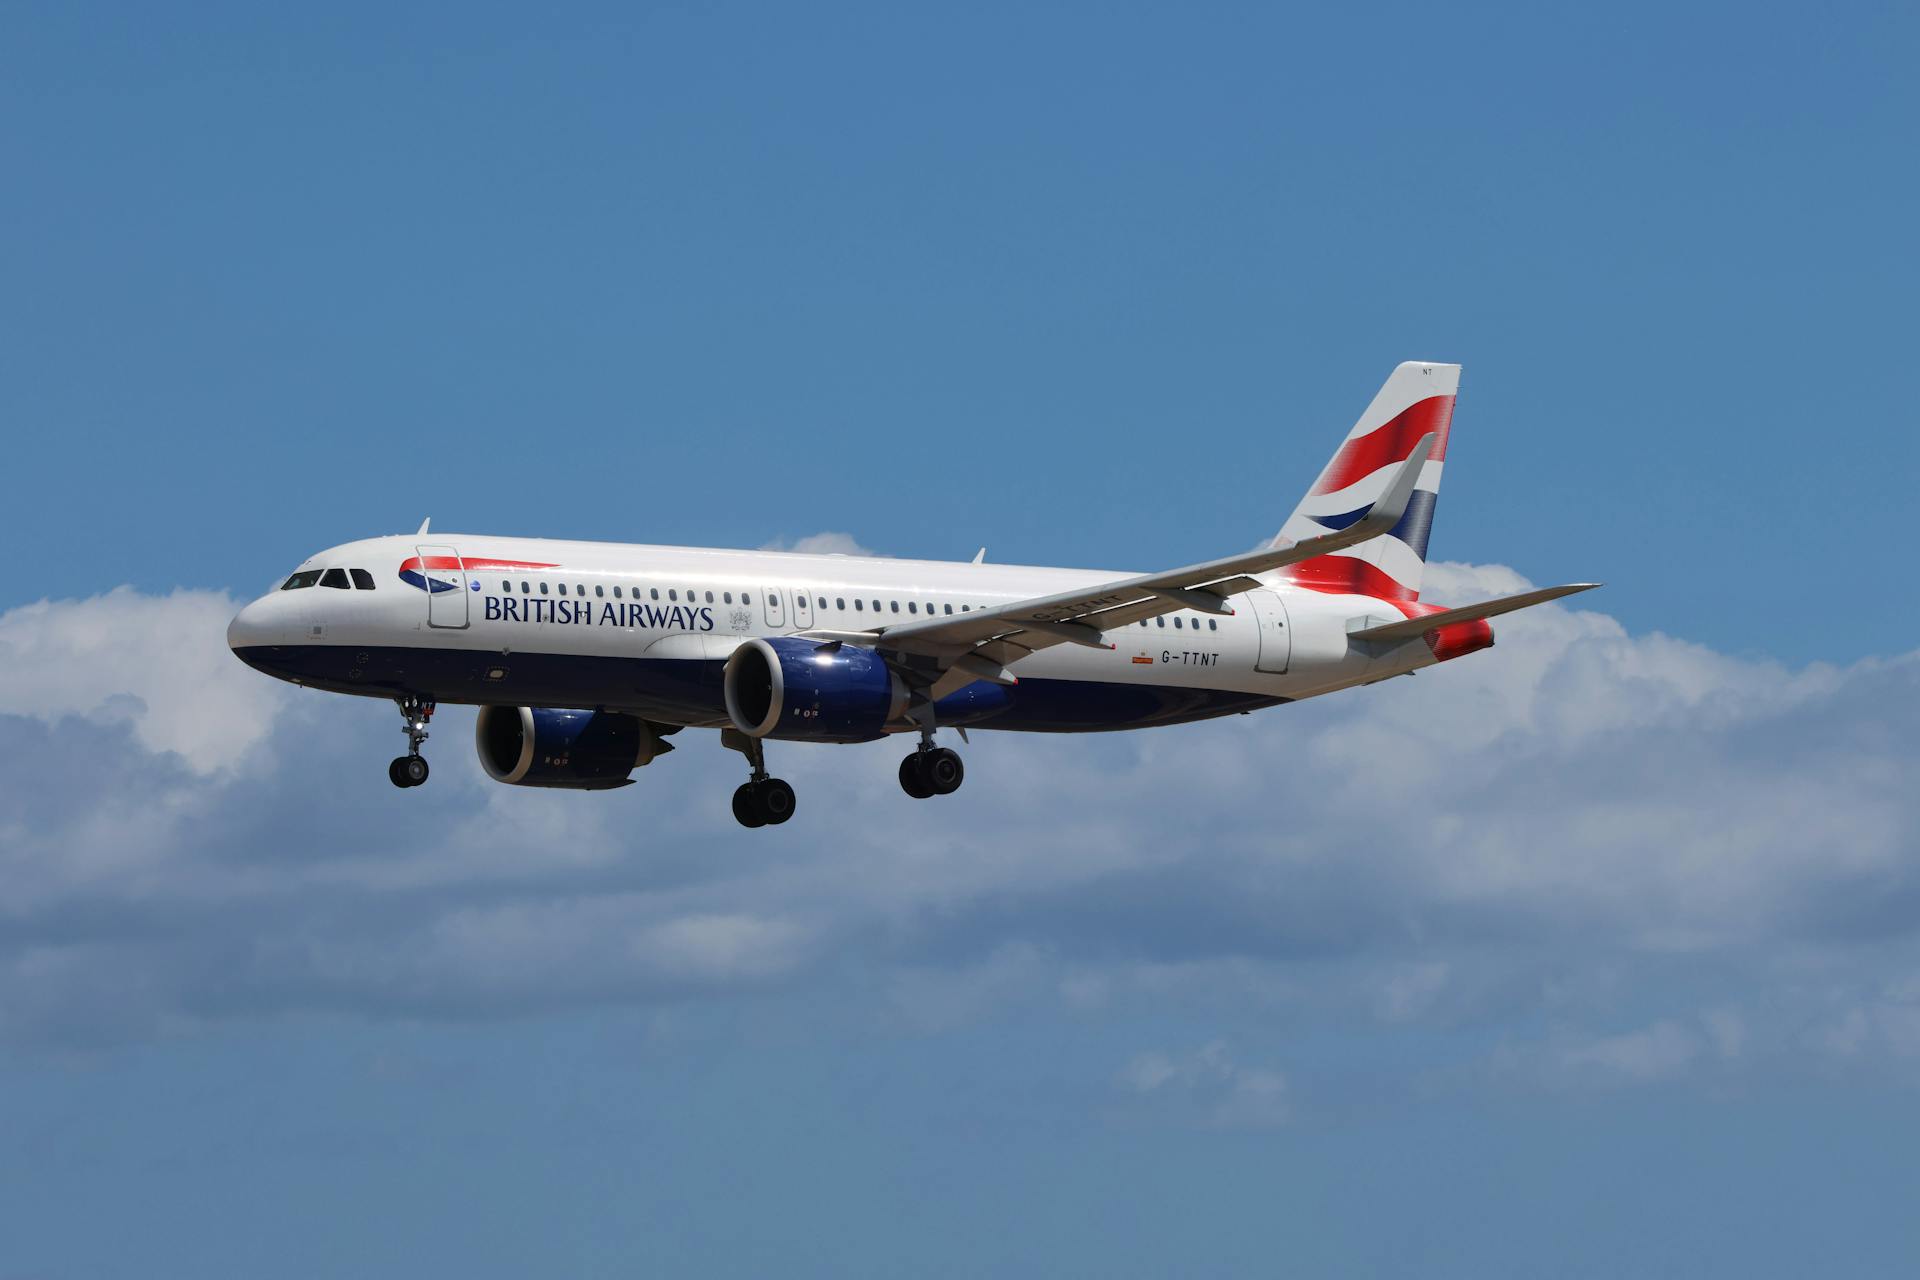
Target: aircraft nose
x=249 y=628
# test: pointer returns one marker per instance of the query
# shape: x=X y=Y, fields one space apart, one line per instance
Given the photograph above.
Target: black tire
x=943 y=771
x=415 y=768
x=777 y=801
x=913 y=780
x=746 y=807
x=397 y=772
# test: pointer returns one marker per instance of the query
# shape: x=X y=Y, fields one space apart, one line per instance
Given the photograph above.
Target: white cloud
x=1411 y=989
x=821 y=544
x=1209 y=1085
x=1651 y=1053
x=160 y=663
x=1581 y=829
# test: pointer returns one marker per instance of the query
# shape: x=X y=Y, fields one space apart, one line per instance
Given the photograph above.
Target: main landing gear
x=760 y=801
x=410 y=770
x=931 y=771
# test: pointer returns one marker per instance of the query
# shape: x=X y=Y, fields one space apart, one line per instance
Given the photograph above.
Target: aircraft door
x=1276 y=641
x=776 y=609
x=802 y=609
x=445 y=576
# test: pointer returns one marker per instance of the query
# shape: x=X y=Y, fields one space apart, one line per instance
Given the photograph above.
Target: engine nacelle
x=798 y=689
x=553 y=747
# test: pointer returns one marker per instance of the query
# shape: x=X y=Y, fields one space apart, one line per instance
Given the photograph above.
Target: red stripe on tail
x=1385 y=445
x=1346 y=576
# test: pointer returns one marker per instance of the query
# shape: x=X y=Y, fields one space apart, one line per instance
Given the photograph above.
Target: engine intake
x=555 y=747
x=808 y=692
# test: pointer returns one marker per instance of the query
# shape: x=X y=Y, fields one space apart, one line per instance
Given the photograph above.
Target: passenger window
x=543 y=588
x=579 y=590
x=362 y=580
x=305 y=578
x=1176 y=624
x=599 y=592
x=911 y=607
x=1213 y=624
x=656 y=593
x=709 y=597
x=1160 y=622
x=335 y=578
x=840 y=603
x=672 y=593
x=563 y=588
x=524 y=588
x=949 y=608
x=746 y=598
x=895 y=604
x=617 y=595
x=506 y=586
x=859 y=606
x=821 y=602
x=726 y=597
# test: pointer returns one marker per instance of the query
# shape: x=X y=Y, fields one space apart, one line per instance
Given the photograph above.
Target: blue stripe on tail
x=1416 y=523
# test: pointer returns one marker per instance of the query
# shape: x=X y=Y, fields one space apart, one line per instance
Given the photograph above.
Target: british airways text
x=581 y=613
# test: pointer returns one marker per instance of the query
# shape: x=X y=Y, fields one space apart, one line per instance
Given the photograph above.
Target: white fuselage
x=589 y=624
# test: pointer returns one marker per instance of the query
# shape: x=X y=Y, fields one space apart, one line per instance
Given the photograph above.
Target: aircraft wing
x=981 y=644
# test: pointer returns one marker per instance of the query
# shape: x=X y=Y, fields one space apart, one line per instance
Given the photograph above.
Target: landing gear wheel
x=913 y=779
x=410 y=770
x=776 y=800
x=943 y=771
x=746 y=806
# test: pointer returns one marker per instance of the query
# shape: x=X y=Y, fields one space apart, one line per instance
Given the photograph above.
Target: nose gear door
x=446 y=578
x=1276 y=642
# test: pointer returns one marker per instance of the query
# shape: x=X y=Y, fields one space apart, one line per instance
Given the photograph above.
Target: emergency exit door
x=445 y=575
x=1276 y=640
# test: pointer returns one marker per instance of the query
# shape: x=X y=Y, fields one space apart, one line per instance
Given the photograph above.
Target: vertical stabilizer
x=1416 y=400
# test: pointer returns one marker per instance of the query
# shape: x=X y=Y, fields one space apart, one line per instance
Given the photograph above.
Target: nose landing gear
x=761 y=801
x=410 y=770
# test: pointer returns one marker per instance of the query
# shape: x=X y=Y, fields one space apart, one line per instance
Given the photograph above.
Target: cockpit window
x=362 y=579
x=334 y=578
x=305 y=578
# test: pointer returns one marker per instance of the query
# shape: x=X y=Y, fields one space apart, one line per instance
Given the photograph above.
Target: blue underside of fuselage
x=685 y=691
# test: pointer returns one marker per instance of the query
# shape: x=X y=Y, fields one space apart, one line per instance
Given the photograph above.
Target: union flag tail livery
x=1417 y=401
x=584 y=657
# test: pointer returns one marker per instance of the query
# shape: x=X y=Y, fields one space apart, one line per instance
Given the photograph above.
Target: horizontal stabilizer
x=1408 y=628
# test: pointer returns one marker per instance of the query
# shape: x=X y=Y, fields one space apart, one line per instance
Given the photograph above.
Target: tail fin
x=1417 y=399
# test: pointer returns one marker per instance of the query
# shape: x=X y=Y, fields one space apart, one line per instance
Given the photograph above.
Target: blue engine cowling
x=809 y=692
x=553 y=747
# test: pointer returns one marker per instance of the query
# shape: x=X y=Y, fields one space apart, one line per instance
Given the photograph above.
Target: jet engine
x=554 y=747
x=807 y=691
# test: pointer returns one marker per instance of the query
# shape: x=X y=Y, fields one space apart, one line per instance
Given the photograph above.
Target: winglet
x=980 y=556
x=1383 y=515
x=421 y=532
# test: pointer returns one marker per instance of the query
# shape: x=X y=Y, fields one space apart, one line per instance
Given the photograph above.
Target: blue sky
x=1595 y=953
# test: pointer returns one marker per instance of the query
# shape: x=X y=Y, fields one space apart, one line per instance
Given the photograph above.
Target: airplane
x=586 y=657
